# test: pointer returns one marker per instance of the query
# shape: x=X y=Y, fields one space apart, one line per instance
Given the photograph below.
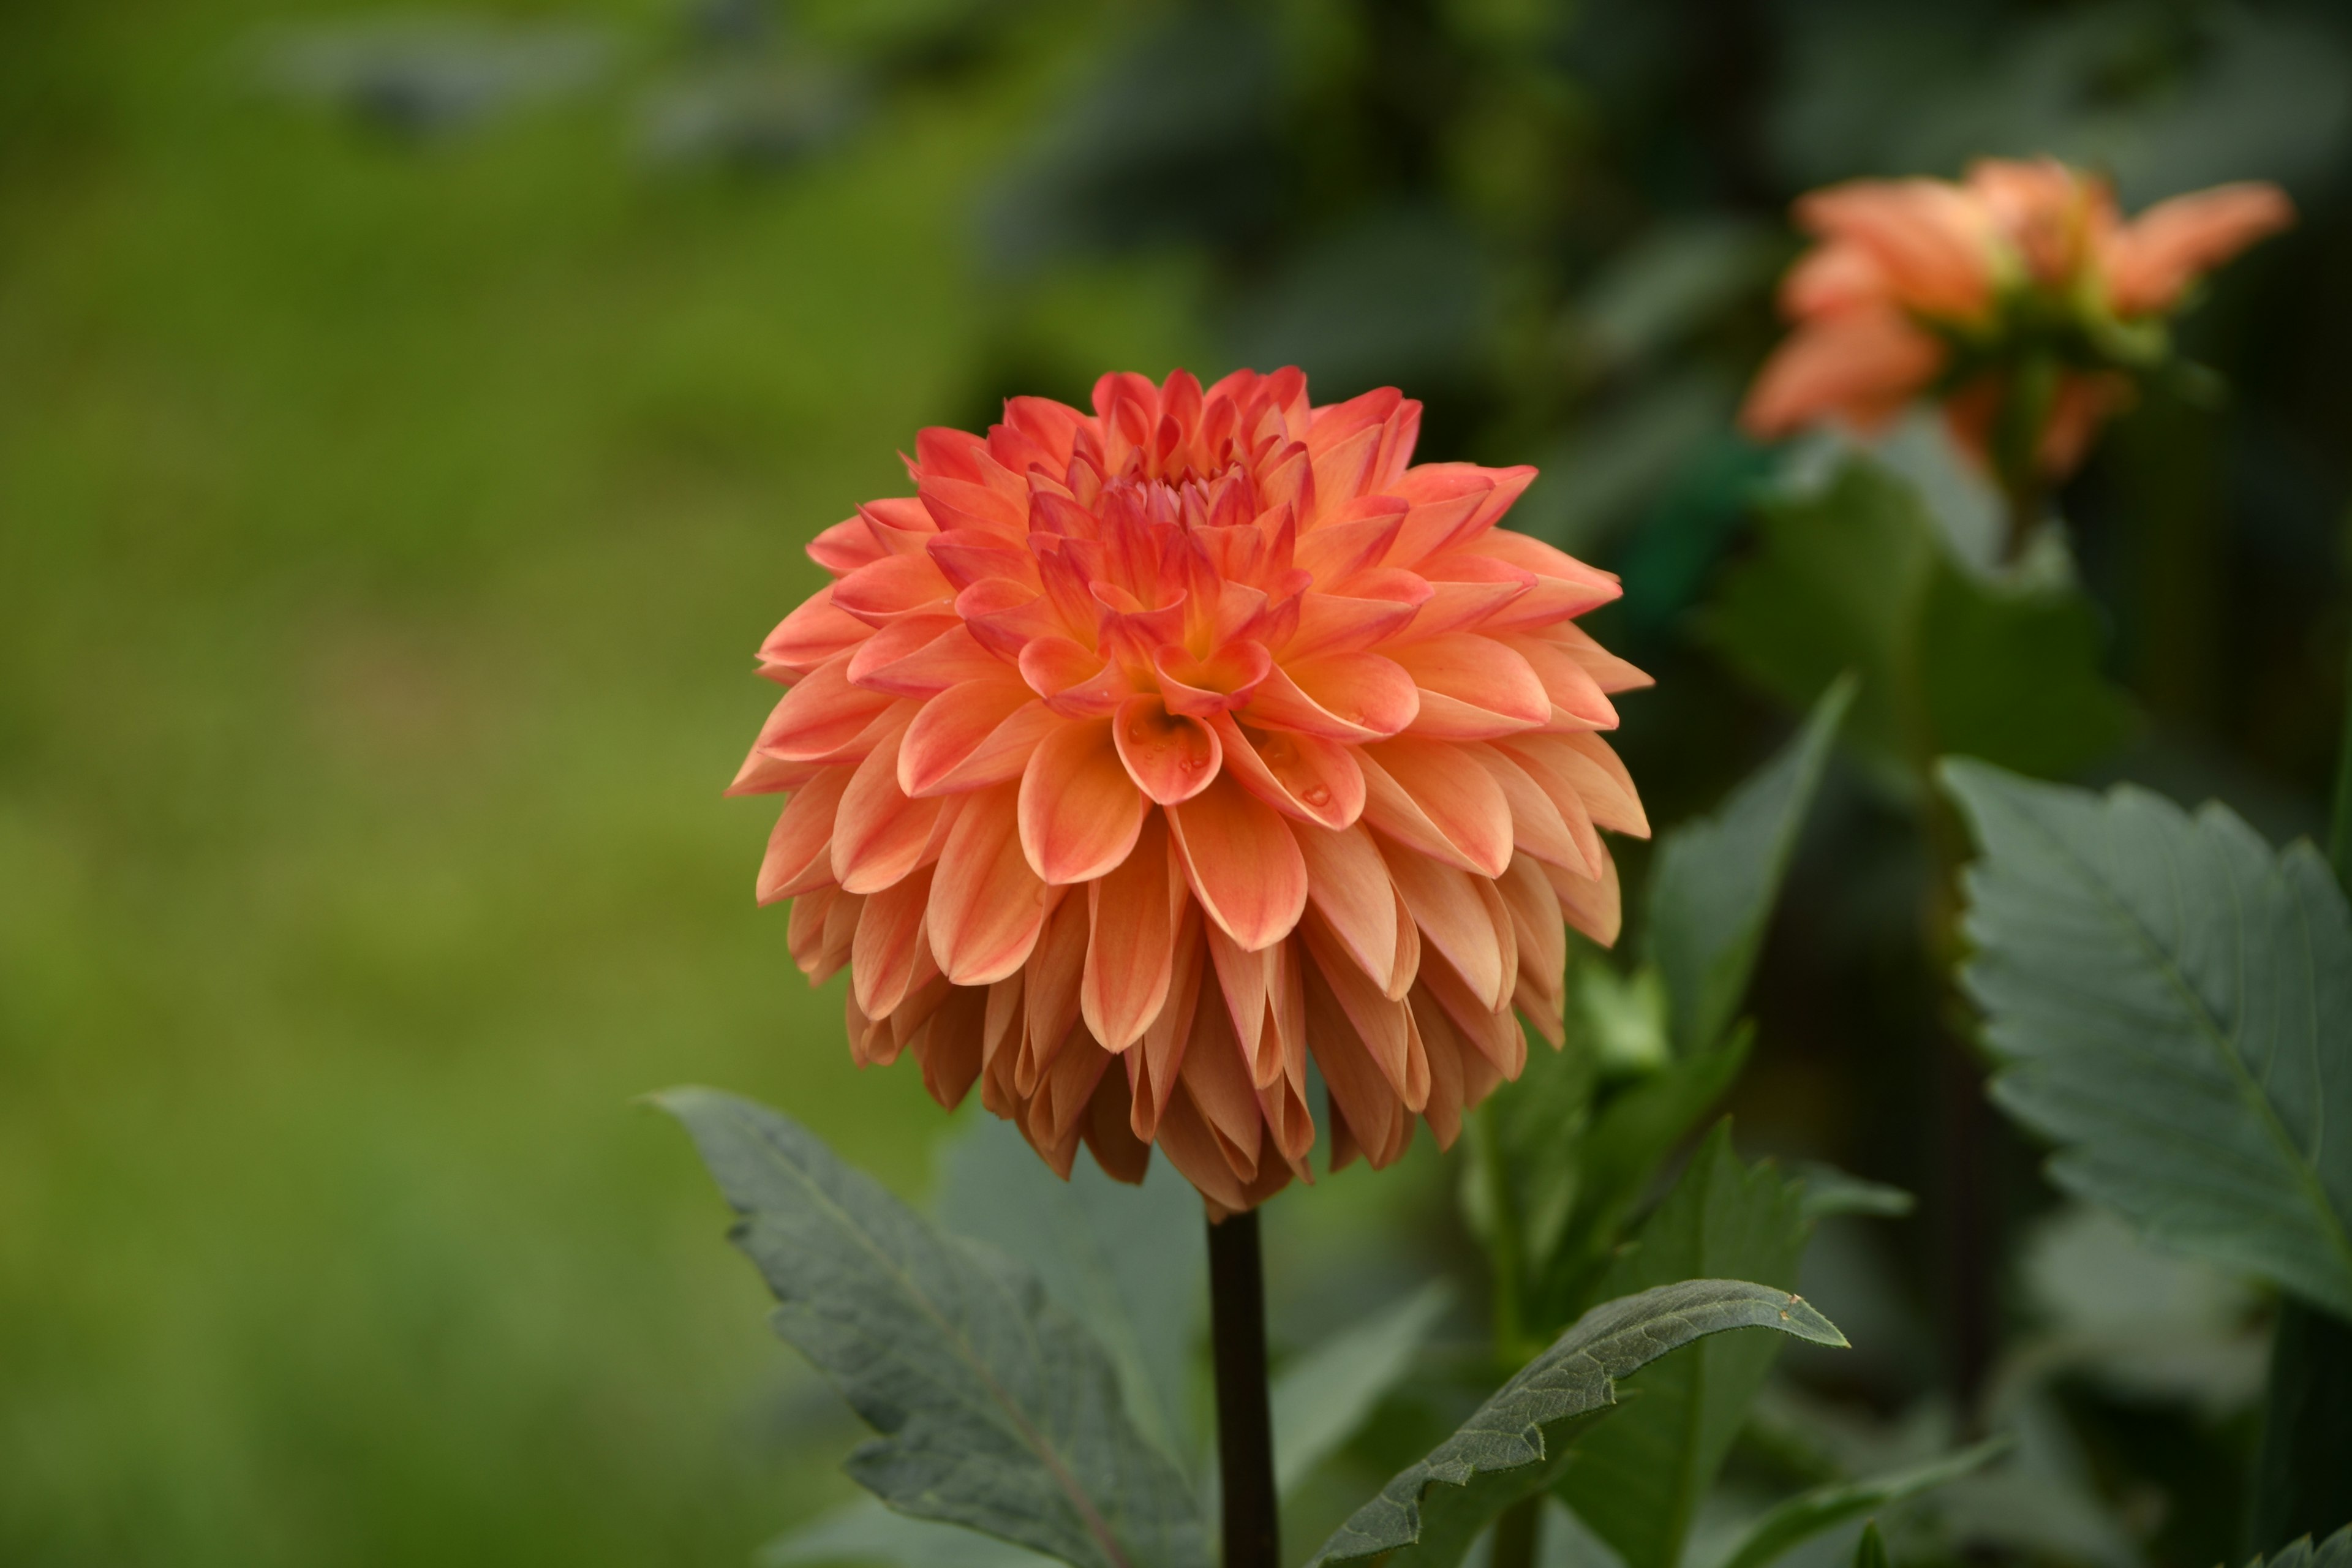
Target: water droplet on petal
x=1316 y=795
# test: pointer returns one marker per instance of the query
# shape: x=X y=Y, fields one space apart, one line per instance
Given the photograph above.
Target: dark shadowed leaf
x=1830 y=1191
x=1855 y=577
x=996 y=1410
x=1717 y=877
x=2171 y=1004
x=1519 y=1441
x=1131 y=1263
x=1808 y=1514
x=1639 y=1479
x=1870 y=1552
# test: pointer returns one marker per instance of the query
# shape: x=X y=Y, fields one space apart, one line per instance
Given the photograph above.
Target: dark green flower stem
x=1253 y=1525
x=2303 y=1480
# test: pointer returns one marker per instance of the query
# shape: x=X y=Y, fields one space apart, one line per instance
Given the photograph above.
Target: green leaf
x=1635 y=1131
x=1870 y=1552
x=2335 y=1551
x=1320 y=1399
x=1538 y=1126
x=1856 y=576
x=1131 y=1263
x=1717 y=877
x=996 y=1410
x=1518 y=1442
x=2171 y=1004
x=1830 y=1191
x=1638 y=1480
x=1808 y=1514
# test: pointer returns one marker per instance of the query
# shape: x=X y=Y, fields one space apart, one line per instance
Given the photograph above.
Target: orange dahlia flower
x=1143 y=754
x=2020 y=294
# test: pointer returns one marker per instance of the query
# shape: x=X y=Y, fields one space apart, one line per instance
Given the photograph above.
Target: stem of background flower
x=1518 y=1533
x=2303 y=1485
x=1253 y=1524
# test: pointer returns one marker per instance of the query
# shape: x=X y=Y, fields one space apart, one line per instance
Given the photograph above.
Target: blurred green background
x=409 y=421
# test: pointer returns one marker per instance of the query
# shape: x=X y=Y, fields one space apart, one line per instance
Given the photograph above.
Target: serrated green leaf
x=1320 y=1399
x=1717 y=877
x=2335 y=1551
x=997 y=1411
x=1639 y=1479
x=1518 y=1442
x=2171 y=1004
x=1808 y=1514
x=1856 y=577
x=1129 y=1262
x=1616 y=1158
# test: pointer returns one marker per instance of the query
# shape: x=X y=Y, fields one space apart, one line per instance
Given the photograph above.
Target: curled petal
x=1305 y=776
x=1171 y=756
x=1473 y=686
x=1420 y=793
x=1344 y=696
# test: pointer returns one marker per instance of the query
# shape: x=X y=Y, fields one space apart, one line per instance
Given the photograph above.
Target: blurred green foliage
x=408 y=423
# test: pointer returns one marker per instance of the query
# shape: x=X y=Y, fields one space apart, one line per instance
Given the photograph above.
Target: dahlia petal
x=1242 y=862
x=1547 y=760
x=1217 y=1082
x=1153 y=1067
x=1001 y=754
x=1350 y=885
x=1363 y=1100
x=1080 y=814
x=1123 y=1155
x=1171 y=757
x=1932 y=244
x=1609 y=672
x=1050 y=982
x=962 y=504
x=1131 y=914
x=1210 y=686
x=881 y=591
x=1381 y=1024
x=822 y=717
x=812 y=634
x=1446 y=1088
x=1343 y=696
x=1305 y=776
x=1245 y=981
x=1861 y=367
x=880 y=833
x=1537 y=927
x=798 y=856
x=804 y=933
x=844 y=547
x=948 y=1045
x=1591 y=904
x=1468 y=591
x=1606 y=787
x=1465 y=920
x=1472 y=687
x=987 y=906
x=838 y=940
x=2152 y=261
x=1057 y=1112
x=889 y=933
x=1193 y=1148
x=1496 y=1036
x=1421 y=794
x=1438 y=515
x=954 y=727
x=763 y=774
x=1331 y=622
x=1359 y=536
x=1537 y=828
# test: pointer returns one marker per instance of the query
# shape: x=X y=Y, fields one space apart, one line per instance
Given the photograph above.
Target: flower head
x=2020 y=295
x=1143 y=754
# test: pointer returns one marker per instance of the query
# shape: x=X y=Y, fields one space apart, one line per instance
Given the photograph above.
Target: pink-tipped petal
x=1242 y=862
x=1079 y=812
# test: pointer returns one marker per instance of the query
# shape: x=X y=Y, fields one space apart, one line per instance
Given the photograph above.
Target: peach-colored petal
x=1933 y=245
x=1131 y=924
x=1350 y=884
x=1242 y=862
x=799 y=851
x=1473 y=686
x=880 y=834
x=1421 y=794
x=1171 y=757
x=987 y=905
x=2150 y=261
x=1079 y=811
x=889 y=933
x=1861 y=367
x=1309 y=777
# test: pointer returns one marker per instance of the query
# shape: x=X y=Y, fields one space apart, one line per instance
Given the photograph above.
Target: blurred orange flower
x=2019 y=292
x=1144 y=753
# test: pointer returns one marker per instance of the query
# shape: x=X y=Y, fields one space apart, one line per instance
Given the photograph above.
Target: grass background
x=385 y=532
